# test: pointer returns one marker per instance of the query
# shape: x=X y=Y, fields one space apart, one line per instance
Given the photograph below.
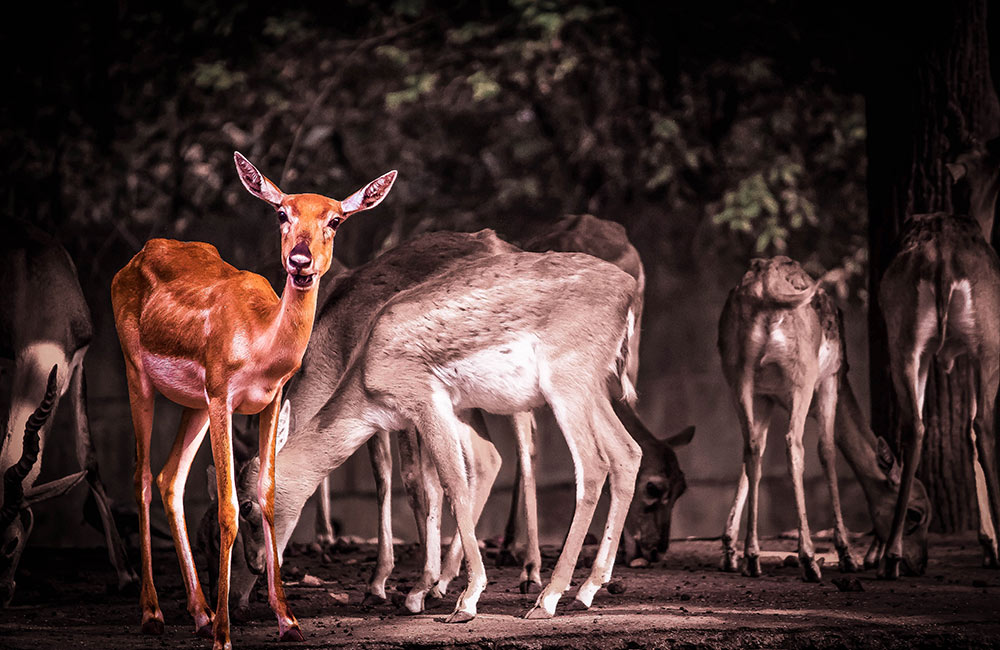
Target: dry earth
x=63 y=602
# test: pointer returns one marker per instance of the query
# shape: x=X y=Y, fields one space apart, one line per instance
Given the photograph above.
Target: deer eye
x=333 y=223
x=246 y=509
x=282 y=217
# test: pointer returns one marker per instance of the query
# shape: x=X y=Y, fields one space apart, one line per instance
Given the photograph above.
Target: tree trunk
x=930 y=89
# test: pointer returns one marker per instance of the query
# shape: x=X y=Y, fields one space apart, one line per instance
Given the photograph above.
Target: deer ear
x=284 y=417
x=255 y=182
x=370 y=195
x=682 y=438
x=956 y=171
x=211 y=486
x=887 y=461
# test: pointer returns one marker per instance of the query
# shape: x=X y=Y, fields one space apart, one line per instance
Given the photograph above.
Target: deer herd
x=451 y=340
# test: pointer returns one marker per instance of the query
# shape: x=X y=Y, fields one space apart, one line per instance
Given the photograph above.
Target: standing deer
x=503 y=334
x=873 y=463
x=219 y=341
x=44 y=322
x=780 y=342
x=940 y=297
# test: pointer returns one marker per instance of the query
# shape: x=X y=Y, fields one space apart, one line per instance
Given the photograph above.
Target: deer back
x=359 y=293
x=42 y=299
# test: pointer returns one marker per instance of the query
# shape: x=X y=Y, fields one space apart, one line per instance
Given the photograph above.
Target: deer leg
x=754 y=442
x=449 y=444
x=220 y=432
x=985 y=443
x=874 y=553
x=826 y=402
x=910 y=383
x=425 y=491
x=171 y=481
x=485 y=464
x=141 y=401
x=624 y=456
x=288 y=627
x=799 y=409
x=324 y=529
x=380 y=453
x=87 y=457
x=591 y=469
x=524 y=427
x=753 y=430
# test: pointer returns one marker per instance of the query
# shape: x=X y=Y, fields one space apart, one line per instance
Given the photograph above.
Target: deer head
x=15 y=515
x=659 y=484
x=309 y=222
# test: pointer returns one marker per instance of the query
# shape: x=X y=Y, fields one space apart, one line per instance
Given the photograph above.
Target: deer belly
x=179 y=380
x=501 y=379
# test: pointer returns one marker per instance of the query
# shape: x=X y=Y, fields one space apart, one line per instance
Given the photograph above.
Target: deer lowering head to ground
x=44 y=322
x=504 y=334
x=218 y=341
x=940 y=297
x=780 y=343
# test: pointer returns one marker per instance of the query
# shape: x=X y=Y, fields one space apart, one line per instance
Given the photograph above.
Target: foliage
x=501 y=115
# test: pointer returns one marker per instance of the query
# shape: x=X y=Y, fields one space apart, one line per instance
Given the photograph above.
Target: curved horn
x=13 y=478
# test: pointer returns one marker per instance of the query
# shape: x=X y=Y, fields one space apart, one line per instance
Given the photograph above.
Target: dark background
x=714 y=131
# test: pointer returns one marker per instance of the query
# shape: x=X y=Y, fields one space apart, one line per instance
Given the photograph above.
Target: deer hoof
x=729 y=563
x=810 y=570
x=751 y=567
x=537 y=612
x=889 y=568
x=373 y=600
x=990 y=560
x=153 y=626
x=205 y=631
x=292 y=635
x=848 y=564
x=529 y=587
x=577 y=606
x=459 y=616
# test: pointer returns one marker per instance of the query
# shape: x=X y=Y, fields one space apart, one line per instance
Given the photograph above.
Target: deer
x=359 y=293
x=507 y=319
x=780 y=343
x=44 y=323
x=219 y=341
x=940 y=298
x=868 y=455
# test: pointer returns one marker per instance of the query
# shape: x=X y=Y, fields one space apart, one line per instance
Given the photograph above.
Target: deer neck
x=857 y=442
x=289 y=331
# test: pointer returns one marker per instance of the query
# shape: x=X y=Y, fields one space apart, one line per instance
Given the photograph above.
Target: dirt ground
x=63 y=602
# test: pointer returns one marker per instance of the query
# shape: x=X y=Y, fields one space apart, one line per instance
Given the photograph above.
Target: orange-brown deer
x=940 y=297
x=219 y=341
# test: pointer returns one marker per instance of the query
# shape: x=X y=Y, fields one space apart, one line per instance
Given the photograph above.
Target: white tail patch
x=622 y=361
x=284 y=416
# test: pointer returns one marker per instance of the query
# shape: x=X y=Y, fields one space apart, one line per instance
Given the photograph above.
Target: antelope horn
x=13 y=478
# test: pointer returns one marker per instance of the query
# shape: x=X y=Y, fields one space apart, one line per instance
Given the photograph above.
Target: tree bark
x=930 y=89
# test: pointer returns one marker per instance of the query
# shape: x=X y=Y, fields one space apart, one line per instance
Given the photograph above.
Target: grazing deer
x=219 y=341
x=940 y=297
x=44 y=322
x=661 y=481
x=494 y=335
x=780 y=342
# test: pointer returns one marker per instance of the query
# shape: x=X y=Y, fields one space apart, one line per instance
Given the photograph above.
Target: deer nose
x=300 y=257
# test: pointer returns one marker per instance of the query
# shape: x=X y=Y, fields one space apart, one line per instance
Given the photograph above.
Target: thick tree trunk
x=929 y=91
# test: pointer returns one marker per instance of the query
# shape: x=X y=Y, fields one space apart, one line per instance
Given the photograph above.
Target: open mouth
x=303 y=280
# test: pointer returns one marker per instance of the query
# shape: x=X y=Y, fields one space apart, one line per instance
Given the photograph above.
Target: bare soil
x=685 y=602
